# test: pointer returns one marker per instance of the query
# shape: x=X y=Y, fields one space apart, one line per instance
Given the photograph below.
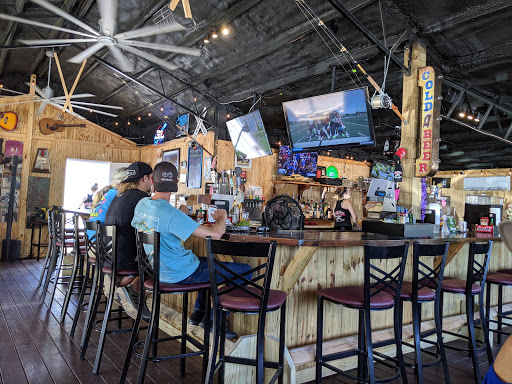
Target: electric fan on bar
x=283 y=213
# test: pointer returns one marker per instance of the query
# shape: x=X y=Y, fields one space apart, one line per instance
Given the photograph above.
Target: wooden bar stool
x=90 y=255
x=106 y=263
x=473 y=286
x=246 y=297
x=381 y=291
x=426 y=288
x=149 y=272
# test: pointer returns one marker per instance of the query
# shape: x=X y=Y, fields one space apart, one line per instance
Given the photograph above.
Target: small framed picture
x=172 y=156
x=42 y=162
x=183 y=165
x=242 y=162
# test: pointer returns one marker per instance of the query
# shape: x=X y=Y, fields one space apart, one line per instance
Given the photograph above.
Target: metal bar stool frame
x=384 y=283
x=49 y=251
x=149 y=272
x=501 y=279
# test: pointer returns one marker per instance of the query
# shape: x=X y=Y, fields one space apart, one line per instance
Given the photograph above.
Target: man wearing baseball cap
x=177 y=264
x=134 y=187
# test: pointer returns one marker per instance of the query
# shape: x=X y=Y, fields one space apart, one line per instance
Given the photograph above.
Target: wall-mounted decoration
x=8 y=120
x=160 y=134
x=38 y=192
x=207 y=168
x=49 y=126
x=195 y=167
x=42 y=162
x=182 y=124
x=173 y=157
x=242 y=163
x=183 y=165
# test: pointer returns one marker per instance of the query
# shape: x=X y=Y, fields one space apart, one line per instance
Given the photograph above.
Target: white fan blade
x=77 y=96
x=56 y=41
x=108 y=14
x=95 y=105
x=150 y=31
x=162 y=47
x=41 y=108
x=38 y=90
x=65 y=15
x=149 y=57
x=123 y=62
x=42 y=25
x=10 y=90
x=86 y=53
x=88 y=109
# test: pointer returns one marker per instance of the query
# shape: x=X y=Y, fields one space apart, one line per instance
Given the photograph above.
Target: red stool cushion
x=453 y=285
x=424 y=294
x=499 y=278
x=176 y=288
x=509 y=271
x=92 y=260
x=239 y=300
x=121 y=272
x=354 y=296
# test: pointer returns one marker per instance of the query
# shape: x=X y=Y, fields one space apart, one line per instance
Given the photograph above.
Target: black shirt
x=342 y=217
x=120 y=213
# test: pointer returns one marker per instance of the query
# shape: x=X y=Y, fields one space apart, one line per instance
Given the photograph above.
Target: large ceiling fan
x=107 y=36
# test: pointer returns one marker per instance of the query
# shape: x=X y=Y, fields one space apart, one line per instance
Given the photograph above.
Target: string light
x=214 y=32
x=149 y=114
x=128 y=122
x=228 y=115
x=116 y=123
x=510 y=171
x=162 y=109
x=225 y=31
x=90 y=111
x=139 y=118
x=279 y=143
x=481 y=173
x=206 y=39
x=195 y=99
x=1 y=85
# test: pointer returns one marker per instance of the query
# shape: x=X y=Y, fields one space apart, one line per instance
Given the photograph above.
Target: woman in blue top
x=104 y=197
x=501 y=371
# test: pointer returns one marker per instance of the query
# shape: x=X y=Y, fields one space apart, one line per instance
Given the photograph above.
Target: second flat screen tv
x=248 y=136
x=332 y=120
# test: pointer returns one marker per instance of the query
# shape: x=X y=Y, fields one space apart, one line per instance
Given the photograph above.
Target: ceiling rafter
x=11 y=29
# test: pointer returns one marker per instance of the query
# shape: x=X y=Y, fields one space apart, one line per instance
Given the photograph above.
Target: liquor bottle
x=319 y=212
x=200 y=216
x=329 y=212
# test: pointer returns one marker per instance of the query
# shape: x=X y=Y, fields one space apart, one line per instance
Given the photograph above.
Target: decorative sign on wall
x=195 y=167
x=430 y=83
x=208 y=168
x=38 y=192
x=173 y=157
x=12 y=148
x=42 y=162
x=160 y=134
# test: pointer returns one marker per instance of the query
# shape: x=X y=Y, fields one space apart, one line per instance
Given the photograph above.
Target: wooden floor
x=36 y=348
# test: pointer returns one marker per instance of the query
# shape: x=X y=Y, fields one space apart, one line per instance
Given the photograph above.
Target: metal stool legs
x=89 y=269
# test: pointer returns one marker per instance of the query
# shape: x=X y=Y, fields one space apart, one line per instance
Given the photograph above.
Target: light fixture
x=149 y=114
x=279 y=143
x=1 y=85
x=214 y=32
x=463 y=110
x=228 y=116
x=116 y=123
x=510 y=171
x=129 y=123
x=90 y=110
x=225 y=31
x=206 y=39
x=478 y=117
x=481 y=173
x=195 y=99
x=162 y=109
x=139 y=118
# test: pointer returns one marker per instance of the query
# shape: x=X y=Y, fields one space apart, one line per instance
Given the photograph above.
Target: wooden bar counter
x=309 y=260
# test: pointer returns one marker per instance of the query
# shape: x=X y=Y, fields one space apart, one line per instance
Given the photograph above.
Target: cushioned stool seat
x=92 y=260
x=454 y=285
x=499 y=278
x=176 y=288
x=509 y=271
x=353 y=296
x=121 y=272
x=239 y=300
x=424 y=294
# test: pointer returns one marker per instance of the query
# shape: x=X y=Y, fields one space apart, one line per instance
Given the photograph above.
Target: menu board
x=195 y=167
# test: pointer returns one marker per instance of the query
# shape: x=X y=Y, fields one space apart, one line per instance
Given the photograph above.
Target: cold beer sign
x=430 y=83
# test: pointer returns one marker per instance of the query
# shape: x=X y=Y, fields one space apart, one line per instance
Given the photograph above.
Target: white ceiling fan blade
x=42 y=107
x=162 y=47
x=65 y=15
x=38 y=90
x=108 y=14
x=85 y=54
x=150 y=31
x=95 y=105
x=56 y=41
x=123 y=62
x=10 y=90
x=78 y=95
x=88 y=109
x=149 y=57
x=3 y=16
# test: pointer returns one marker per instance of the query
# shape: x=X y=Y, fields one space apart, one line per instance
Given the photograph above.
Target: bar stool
x=247 y=297
x=106 y=245
x=149 y=273
x=90 y=255
x=64 y=240
x=426 y=288
x=381 y=291
x=77 y=273
x=473 y=286
x=51 y=240
x=500 y=280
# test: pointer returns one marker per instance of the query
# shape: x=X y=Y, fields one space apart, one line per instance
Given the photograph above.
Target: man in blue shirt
x=177 y=264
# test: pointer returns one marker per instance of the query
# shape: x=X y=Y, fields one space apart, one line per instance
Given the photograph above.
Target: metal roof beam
x=11 y=29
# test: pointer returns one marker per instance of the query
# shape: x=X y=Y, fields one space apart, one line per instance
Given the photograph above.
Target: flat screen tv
x=301 y=163
x=384 y=171
x=340 y=119
x=248 y=136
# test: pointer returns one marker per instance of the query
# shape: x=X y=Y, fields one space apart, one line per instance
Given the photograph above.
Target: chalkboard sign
x=195 y=167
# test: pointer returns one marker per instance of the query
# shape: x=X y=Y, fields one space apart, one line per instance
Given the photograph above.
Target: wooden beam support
x=292 y=273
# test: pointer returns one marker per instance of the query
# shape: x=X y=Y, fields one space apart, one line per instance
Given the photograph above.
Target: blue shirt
x=100 y=211
x=176 y=262
x=491 y=377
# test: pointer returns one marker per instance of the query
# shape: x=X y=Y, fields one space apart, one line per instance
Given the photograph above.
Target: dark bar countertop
x=315 y=238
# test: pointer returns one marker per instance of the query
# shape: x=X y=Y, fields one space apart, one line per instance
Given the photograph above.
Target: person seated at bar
x=344 y=214
x=103 y=198
x=135 y=187
x=179 y=265
x=501 y=370
x=87 y=200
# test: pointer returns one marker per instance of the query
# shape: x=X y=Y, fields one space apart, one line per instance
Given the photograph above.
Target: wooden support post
x=33 y=78
x=453 y=249
x=292 y=273
x=410 y=187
